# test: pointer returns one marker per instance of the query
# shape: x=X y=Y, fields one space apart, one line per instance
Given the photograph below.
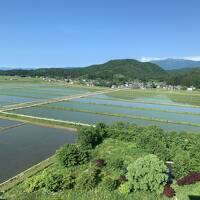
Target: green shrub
x=71 y=155
x=147 y=173
x=59 y=181
x=88 y=179
x=181 y=166
x=125 y=188
x=90 y=137
x=117 y=164
x=68 y=181
x=109 y=183
x=53 y=182
x=35 y=183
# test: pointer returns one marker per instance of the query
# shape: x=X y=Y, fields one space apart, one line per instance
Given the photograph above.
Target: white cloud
x=194 y=58
x=147 y=59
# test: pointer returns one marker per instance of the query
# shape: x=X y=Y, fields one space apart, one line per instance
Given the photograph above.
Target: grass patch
x=40 y=121
x=175 y=96
x=184 y=192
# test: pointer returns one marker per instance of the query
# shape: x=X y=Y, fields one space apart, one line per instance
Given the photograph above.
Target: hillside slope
x=186 y=77
x=129 y=69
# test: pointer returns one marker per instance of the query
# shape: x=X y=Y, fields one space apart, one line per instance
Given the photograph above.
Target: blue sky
x=67 y=33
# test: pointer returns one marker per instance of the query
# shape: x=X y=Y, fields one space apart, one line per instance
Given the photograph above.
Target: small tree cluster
x=181 y=148
x=147 y=173
x=51 y=181
x=71 y=155
x=189 y=179
x=90 y=137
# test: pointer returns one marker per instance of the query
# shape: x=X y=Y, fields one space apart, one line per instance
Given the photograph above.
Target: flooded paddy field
x=132 y=111
x=6 y=123
x=89 y=117
x=14 y=94
x=26 y=145
x=138 y=107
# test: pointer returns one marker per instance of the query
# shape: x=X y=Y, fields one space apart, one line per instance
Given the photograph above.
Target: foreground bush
x=88 y=179
x=110 y=184
x=90 y=137
x=35 y=183
x=147 y=173
x=52 y=181
x=71 y=155
x=117 y=164
x=125 y=188
x=189 y=179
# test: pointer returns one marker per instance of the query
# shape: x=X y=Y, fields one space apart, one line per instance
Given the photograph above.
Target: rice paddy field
x=23 y=144
x=23 y=90
x=153 y=109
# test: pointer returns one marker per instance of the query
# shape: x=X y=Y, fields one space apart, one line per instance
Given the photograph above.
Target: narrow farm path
x=10 y=127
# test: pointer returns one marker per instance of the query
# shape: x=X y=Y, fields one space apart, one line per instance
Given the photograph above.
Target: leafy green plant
x=53 y=182
x=125 y=188
x=68 y=181
x=71 y=155
x=109 y=183
x=35 y=183
x=181 y=166
x=88 y=179
x=147 y=173
x=117 y=164
x=90 y=137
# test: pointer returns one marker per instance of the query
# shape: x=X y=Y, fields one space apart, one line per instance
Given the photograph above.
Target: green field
x=162 y=96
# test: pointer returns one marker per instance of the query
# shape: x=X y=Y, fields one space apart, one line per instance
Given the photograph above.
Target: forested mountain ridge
x=117 y=72
x=125 y=69
x=186 y=77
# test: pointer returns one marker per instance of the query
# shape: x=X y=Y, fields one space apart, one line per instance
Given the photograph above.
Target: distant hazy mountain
x=15 y=68
x=170 y=63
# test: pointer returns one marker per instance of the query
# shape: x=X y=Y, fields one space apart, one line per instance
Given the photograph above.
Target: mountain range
x=124 y=69
x=121 y=71
x=167 y=64
x=170 y=63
